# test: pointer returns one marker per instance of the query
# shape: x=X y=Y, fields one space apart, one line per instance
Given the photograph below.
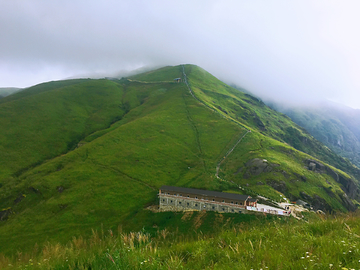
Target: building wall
x=177 y=203
x=201 y=197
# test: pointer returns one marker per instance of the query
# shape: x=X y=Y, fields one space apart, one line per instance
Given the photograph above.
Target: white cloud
x=286 y=50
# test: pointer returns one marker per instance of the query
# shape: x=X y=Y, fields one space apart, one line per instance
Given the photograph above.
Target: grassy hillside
x=334 y=125
x=253 y=243
x=82 y=154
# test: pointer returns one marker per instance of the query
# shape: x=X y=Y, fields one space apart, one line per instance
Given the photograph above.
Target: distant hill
x=335 y=125
x=81 y=154
x=5 y=91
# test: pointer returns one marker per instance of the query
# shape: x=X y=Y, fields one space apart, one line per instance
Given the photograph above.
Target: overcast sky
x=286 y=50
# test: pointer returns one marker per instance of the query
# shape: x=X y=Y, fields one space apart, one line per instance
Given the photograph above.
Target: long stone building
x=179 y=198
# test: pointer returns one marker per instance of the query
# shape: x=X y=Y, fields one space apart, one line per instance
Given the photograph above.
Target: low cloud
x=297 y=51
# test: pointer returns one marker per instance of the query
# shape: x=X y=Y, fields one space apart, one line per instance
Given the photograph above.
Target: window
x=236 y=202
x=179 y=202
x=232 y=210
x=239 y=212
x=195 y=204
x=163 y=200
x=196 y=197
x=188 y=196
x=187 y=204
x=181 y=195
x=213 y=200
x=223 y=200
x=241 y=203
x=213 y=207
x=223 y=209
x=171 y=201
x=232 y=202
x=204 y=206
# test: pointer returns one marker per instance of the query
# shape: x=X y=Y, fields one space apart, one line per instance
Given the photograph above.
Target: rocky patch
x=257 y=166
x=4 y=214
x=278 y=185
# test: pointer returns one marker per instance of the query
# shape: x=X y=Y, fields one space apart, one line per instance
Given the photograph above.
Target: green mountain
x=336 y=126
x=81 y=154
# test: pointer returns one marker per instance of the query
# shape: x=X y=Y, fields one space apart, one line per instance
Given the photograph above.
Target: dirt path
x=232 y=148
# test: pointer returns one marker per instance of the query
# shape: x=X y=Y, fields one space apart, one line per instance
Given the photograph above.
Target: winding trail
x=237 y=142
x=231 y=149
x=228 y=153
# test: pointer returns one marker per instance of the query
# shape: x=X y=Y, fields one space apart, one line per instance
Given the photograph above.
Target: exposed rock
x=305 y=196
x=312 y=166
x=319 y=203
x=315 y=166
x=257 y=166
x=4 y=214
x=347 y=202
x=348 y=185
x=60 y=189
x=329 y=192
x=277 y=185
x=316 y=202
x=285 y=174
x=260 y=183
x=303 y=203
x=259 y=123
x=301 y=177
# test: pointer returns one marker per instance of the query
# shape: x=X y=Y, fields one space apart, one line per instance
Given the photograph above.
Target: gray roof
x=223 y=195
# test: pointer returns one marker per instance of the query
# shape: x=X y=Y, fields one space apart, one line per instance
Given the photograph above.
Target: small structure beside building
x=179 y=198
x=177 y=80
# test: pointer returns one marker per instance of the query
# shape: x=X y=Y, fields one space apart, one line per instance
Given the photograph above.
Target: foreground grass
x=328 y=243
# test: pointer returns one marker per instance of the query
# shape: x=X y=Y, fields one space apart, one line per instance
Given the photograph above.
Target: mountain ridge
x=122 y=139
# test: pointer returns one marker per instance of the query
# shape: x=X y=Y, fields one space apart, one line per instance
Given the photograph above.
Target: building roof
x=252 y=200
x=222 y=195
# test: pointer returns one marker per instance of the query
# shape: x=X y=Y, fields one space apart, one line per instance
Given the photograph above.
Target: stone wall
x=174 y=203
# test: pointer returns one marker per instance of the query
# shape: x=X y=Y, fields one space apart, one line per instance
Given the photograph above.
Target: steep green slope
x=284 y=170
x=252 y=112
x=38 y=125
x=334 y=125
x=96 y=152
x=166 y=139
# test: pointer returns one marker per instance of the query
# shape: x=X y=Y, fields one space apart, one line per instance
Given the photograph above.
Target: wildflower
x=302 y=257
x=330 y=265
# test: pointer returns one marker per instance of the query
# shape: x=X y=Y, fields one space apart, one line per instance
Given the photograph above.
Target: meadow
x=81 y=154
x=317 y=242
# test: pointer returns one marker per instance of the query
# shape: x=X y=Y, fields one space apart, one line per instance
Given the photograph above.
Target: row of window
x=203 y=199
x=196 y=205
